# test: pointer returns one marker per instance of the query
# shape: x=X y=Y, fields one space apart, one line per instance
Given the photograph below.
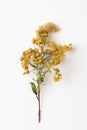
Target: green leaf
x=40 y=79
x=33 y=79
x=44 y=72
x=33 y=86
x=33 y=65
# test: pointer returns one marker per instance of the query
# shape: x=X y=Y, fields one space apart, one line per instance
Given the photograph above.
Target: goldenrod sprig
x=43 y=58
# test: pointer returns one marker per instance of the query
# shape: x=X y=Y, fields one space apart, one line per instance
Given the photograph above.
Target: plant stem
x=39 y=112
x=38 y=93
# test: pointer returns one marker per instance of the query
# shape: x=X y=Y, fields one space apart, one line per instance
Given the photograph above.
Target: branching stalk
x=42 y=59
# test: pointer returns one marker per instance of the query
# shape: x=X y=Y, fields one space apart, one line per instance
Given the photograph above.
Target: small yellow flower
x=26 y=72
x=57 y=70
x=57 y=77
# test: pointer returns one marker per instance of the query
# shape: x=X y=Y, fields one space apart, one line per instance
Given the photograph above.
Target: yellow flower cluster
x=48 y=27
x=57 y=75
x=25 y=59
x=47 y=54
x=32 y=57
x=57 y=53
x=42 y=33
x=37 y=56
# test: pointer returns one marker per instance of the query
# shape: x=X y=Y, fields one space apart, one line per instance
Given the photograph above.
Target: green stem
x=48 y=57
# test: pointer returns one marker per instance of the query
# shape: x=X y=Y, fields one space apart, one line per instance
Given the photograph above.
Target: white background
x=64 y=104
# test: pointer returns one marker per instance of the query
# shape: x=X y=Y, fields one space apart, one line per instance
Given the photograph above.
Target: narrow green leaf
x=40 y=79
x=33 y=79
x=33 y=65
x=33 y=86
x=44 y=72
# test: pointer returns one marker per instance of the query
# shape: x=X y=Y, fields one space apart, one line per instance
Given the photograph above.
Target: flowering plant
x=43 y=58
